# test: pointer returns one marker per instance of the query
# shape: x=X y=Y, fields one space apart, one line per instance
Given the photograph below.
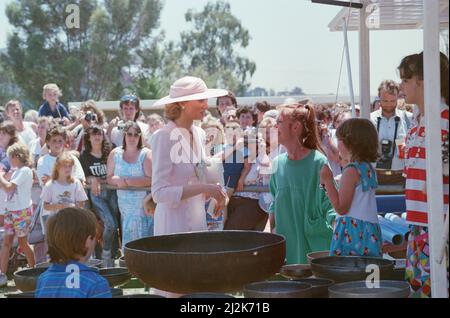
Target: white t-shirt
x=27 y=135
x=20 y=198
x=45 y=168
x=117 y=134
x=67 y=194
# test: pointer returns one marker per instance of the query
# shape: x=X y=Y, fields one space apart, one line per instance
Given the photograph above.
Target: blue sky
x=291 y=43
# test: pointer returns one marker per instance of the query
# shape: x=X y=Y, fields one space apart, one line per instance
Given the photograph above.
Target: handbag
x=36 y=234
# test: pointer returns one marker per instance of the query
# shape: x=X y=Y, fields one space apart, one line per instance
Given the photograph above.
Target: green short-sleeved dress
x=303 y=212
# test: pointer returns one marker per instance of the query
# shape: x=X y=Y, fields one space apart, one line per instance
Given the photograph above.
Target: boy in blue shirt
x=70 y=235
x=52 y=107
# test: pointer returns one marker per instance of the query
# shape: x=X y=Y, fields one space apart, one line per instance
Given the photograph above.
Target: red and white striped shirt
x=415 y=169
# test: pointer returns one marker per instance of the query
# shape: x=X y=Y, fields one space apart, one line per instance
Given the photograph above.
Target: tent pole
x=433 y=145
x=364 y=64
x=349 y=70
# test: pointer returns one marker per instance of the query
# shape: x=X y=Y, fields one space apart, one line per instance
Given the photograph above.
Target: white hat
x=189 y=88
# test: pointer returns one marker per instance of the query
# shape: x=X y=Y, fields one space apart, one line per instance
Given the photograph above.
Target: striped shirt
x=415 y=169
x=72 y=280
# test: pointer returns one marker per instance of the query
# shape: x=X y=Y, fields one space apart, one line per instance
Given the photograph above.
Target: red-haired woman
x=301 y=210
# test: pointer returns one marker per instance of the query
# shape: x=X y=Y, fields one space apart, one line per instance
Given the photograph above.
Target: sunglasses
x=136 y=135
x=129 y=98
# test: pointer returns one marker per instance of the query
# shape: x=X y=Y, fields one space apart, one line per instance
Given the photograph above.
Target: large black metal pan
x=350 y=268
x=115 y=276
x=26 y=279
x=219 y=261
x=359 y=289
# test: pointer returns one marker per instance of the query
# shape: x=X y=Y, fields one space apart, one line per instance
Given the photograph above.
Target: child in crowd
x=357 y=231
x=70 y=247
x=63 y=190
x=52 y=107
x=56 y=140
x=8 y=137
x=235 y=159
x=18 y=206
x=154 y=122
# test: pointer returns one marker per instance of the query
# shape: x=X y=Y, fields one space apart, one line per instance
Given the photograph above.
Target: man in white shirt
x=392 y=125
x=25 y=130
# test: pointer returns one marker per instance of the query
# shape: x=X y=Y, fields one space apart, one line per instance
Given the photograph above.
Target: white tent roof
x=390 y=15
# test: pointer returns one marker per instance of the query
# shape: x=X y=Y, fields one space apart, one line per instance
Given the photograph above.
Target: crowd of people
x=321 y=168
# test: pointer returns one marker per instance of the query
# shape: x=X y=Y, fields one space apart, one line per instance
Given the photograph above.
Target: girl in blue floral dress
x=357 y=232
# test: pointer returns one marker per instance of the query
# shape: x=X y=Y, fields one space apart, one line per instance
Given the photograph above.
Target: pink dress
x=174 y=166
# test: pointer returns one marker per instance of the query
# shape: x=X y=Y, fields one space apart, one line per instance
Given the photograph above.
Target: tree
x=86 y=62
x=209 y=49
x=8 y=90
x=297 y=91
x=257 y=91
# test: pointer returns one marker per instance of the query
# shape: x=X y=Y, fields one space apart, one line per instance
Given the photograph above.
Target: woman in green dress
x=301 y=210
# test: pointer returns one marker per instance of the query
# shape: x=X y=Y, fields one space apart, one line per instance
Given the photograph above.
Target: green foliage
x=118 y=49
x=210 y=47
x=88 y=62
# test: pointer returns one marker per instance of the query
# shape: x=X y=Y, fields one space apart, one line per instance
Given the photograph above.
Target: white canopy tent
x=432 y=16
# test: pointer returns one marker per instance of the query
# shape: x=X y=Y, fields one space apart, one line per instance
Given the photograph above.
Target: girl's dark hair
x=91 y=106
x=231 y=96
x=8 y=128
x=244 y=110
x=412 y=65
x=306 y=116
x=106 y=145
x=360 y=137
x=128 y=126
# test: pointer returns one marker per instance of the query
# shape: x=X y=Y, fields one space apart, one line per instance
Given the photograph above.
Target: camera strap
x=397 y=121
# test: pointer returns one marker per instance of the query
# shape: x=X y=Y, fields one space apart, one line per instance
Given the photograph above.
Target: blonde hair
x=173 y=111
x=31 y=115
x=210 y=122
x=12 y=103
x=64 y=157
x=45 y=119
x=268 y=122
x=51 y=88
x=20 y=151
x=156 y=117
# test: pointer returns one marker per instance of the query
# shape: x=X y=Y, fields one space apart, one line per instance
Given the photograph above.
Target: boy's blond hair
x=51 y=88
x=20 y=151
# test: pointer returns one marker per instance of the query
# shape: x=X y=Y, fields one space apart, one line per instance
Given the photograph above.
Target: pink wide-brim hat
x=189 y=88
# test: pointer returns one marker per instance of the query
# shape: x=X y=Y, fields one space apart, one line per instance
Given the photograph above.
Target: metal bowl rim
x=254 y=249
x=388 y=263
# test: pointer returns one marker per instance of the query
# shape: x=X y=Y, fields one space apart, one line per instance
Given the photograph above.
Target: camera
x=385 y=162
x=90 y=116
x=121 y=125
